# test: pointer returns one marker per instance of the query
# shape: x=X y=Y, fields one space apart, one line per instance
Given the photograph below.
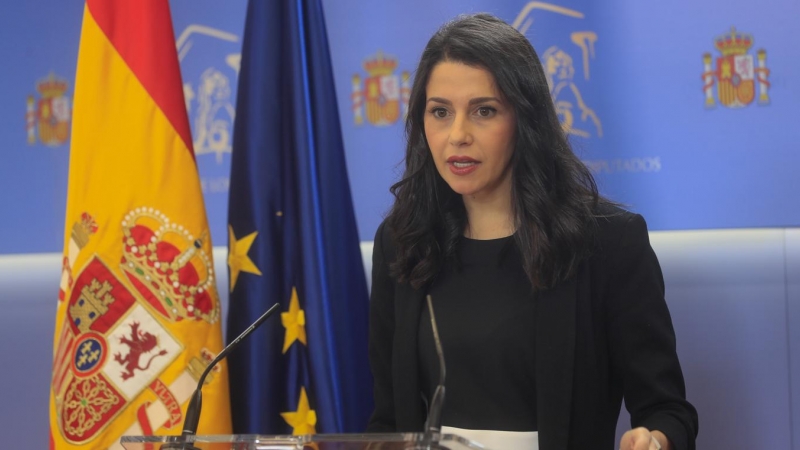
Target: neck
x=488 y=218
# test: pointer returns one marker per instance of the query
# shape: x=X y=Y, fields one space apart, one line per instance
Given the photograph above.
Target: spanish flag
x=138 y=316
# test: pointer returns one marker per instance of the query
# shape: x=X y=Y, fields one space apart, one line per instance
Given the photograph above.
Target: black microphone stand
x=433 y=424
x=192 y=418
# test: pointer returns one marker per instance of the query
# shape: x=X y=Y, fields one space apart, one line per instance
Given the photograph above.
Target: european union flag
x=292 y=236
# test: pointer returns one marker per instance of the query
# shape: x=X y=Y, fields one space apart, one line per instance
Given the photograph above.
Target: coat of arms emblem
x=48 y=116
x=117 y=341
x=383 y=95
x=736 y=74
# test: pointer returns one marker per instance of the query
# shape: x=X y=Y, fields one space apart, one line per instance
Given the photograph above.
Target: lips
x=462 y=165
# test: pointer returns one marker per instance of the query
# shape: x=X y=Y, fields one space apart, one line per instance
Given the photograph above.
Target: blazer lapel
x=408 y=401
x=555 y=358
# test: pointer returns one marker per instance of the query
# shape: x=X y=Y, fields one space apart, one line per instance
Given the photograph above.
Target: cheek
x=507 y=139
x=433 y=135
x=502 y=143
x=426 y=128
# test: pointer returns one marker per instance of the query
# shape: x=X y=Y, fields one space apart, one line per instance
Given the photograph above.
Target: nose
x=460 y=131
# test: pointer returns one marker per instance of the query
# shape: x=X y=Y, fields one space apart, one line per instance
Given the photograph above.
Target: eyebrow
x=471 y=102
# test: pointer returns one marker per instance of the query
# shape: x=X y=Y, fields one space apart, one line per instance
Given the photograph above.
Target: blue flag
x=293 y=237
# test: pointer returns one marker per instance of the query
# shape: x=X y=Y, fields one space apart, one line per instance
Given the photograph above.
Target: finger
x=634 y=442
x=654 y=444
x=642 y=442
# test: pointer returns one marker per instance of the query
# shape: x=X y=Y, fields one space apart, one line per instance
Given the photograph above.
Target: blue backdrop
x=629 y=76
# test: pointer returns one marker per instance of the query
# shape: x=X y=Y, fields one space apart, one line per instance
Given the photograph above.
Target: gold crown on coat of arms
x=169 y=266
x=734 y=43
x=380 y=65
x=52 y=87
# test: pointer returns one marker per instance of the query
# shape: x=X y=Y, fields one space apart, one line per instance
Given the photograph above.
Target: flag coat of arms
x=138 y=316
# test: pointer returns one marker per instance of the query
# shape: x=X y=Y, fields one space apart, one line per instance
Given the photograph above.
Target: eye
x=486 y=111
x=439 y=112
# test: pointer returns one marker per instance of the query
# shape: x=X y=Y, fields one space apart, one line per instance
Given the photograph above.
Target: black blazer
x=601 y=335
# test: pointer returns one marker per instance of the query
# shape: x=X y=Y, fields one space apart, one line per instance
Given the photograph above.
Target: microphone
x=195 y=405
x=433 y=424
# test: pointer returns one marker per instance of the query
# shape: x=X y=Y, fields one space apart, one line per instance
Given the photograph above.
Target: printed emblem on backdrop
x=115 y=342
x=577 y=117
x=383 y=95
x=209 y=97
x=737 y=75
x=568 y=67
x=48 y=115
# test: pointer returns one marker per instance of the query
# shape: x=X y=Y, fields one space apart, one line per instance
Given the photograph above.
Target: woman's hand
x=643 y=439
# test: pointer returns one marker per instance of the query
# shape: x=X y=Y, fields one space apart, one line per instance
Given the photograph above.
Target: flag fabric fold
x=293 y=237
x=138 y=318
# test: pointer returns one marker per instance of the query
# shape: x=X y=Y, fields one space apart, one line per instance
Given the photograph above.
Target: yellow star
x=294 y=321
x=303 y=420
x=238 y=260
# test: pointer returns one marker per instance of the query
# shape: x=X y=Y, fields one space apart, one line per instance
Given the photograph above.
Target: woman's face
x=470 y=131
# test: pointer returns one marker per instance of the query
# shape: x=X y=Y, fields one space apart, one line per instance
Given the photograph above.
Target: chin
x=462 y=188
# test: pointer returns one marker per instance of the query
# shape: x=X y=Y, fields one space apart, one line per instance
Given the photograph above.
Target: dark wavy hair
x=553 y=193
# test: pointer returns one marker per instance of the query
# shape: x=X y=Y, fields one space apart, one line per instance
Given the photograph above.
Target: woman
x=549 y=299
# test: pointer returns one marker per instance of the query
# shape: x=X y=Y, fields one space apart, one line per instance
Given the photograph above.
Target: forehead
x=453 y=79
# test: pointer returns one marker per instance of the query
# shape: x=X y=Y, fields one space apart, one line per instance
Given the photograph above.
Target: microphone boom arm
x=433 y=423
x=196 y=403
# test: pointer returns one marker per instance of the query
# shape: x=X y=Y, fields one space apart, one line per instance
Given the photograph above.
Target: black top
x=485 y=312
x=601 y=335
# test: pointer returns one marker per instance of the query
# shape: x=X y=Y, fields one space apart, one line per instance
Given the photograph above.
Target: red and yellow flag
x=138 y=315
